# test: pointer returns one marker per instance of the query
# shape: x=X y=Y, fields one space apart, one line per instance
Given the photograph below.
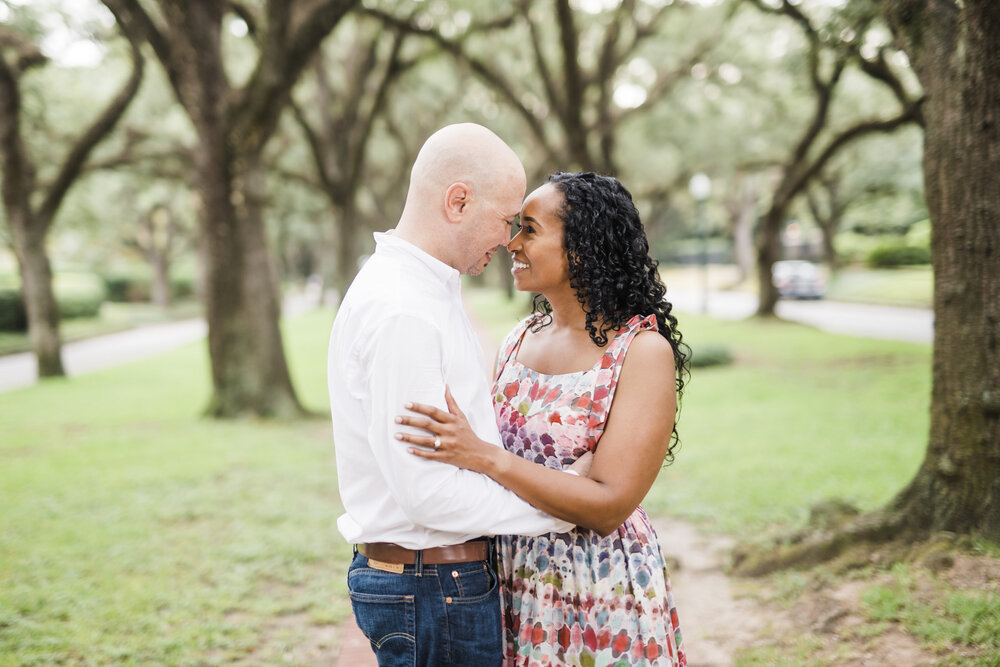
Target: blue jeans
x=428 y=614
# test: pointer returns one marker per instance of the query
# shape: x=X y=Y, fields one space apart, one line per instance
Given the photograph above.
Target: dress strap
x=512 y=343
x=611 y=366
x=619 y=344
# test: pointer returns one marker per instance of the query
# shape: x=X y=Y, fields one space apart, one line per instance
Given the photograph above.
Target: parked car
x=798 y=279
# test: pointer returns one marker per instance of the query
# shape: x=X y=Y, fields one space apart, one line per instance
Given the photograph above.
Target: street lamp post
x=701 y=187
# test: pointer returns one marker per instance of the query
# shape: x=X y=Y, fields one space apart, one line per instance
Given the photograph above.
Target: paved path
x=92 y=354
x=915 y=325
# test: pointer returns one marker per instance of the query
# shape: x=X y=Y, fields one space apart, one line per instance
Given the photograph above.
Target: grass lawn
x=905 y=286
x=911 y=286
x=800 y=417
x=135 y=532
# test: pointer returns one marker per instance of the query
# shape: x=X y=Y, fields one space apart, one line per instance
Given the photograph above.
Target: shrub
x=130 y=285
x=891 y=255
x=181 y=286
x=12 y=315
x=710 y=355
x=135 y=284
x=79 y=294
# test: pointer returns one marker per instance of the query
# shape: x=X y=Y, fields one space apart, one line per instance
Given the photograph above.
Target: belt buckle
x=395 y=568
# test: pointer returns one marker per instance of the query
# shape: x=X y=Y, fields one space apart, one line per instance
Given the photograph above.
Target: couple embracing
x=502 y=525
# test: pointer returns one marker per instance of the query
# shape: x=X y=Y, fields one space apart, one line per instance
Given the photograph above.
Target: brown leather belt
x=387 y=552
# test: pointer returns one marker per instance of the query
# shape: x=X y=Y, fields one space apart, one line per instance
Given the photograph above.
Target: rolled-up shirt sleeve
x=405 y=363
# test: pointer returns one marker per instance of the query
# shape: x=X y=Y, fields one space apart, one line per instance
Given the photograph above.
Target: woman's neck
x=567 y=312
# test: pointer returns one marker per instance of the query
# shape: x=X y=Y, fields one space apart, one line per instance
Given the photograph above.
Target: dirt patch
x=817 y=619
x=717 y=619
x=974 y=573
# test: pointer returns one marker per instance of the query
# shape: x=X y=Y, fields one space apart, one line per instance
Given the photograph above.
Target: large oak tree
x=234 y=122
x=29 y=205
x=954 y=48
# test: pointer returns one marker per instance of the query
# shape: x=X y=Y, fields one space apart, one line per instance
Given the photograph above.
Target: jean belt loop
x=418 y=563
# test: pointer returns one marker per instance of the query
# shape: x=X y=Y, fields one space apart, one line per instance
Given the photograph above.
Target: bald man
x=421 y=584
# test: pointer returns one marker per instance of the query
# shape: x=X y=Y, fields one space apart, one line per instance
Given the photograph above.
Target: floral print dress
x=578 y=598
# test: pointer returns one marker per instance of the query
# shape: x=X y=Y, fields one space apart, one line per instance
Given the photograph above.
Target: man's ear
x=457 y=198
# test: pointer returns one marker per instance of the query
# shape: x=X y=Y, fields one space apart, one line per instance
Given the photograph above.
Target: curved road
x=85 y=356
x=914 y=325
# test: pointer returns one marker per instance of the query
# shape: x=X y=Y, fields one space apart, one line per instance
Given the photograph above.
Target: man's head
x=466 y=186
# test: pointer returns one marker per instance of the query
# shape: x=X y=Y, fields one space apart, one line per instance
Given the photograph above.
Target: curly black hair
x=610 y=268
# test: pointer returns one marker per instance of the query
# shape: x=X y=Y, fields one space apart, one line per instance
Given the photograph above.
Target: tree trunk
x=828 y=231
x=768 y=252
x=161 y=279
x=249 y=371
x=953 y=49
x=39 y=301
x=347 y=243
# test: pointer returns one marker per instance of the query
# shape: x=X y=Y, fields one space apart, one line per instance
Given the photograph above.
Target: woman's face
x=540 y=263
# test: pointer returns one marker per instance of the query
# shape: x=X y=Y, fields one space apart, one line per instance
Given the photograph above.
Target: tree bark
x=768 y=252
x=39 y=301
x=161 y=280
x=828 y=219
x=954 y=49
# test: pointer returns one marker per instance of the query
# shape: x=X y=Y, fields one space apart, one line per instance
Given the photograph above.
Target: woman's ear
x=456 y=199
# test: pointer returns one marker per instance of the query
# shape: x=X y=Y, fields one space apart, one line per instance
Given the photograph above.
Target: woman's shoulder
x=649 y=348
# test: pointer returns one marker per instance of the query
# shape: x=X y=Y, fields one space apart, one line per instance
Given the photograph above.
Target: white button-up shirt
x=400 y=335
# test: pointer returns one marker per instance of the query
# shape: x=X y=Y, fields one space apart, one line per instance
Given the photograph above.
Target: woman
x=565 y=386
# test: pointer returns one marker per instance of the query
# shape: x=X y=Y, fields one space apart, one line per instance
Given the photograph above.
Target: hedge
x=891 y=255
x=136 y=285
x=12 y=315
x=78 y=295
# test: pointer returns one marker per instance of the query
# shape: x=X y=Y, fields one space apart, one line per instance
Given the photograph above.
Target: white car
x=798 y=279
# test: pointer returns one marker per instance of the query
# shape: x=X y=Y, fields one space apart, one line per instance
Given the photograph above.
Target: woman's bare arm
x=628 y=457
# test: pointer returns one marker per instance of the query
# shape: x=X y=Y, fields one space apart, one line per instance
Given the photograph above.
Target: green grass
x=909 y=286
x=800 y=417
x=942 y=618
x=135 y=532
x=906 y=286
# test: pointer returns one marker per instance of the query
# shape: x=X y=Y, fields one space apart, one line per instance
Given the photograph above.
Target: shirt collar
x=446 y=274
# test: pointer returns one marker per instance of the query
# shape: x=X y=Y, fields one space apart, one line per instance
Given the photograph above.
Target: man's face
x=490 y=225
